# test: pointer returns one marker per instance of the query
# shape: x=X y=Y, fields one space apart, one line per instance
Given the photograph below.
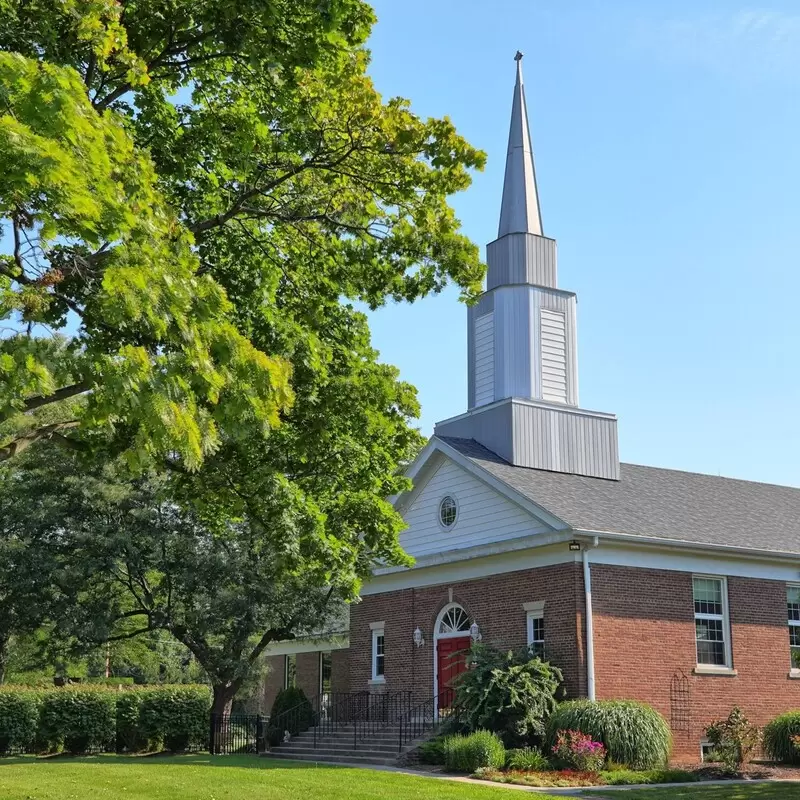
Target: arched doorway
x=452 y=642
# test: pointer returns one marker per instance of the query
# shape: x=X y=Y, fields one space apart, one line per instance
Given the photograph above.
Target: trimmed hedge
x=777 y=740
x=474 y=751
x=633 y=733
x=78 y=720
x=19 y=719
x=93 y=719
x=174 y=717
x=302 y=718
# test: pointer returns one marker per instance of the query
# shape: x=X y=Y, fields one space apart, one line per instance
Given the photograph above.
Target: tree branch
x=60 y=394
x=21 y=443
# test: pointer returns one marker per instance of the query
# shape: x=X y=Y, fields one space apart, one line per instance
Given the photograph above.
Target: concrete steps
x=337 y=747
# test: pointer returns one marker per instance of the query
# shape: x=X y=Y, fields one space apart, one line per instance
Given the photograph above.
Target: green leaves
x=156 y=350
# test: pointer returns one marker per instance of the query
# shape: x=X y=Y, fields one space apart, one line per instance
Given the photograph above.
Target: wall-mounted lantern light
x=475 y=632
x=419 y=638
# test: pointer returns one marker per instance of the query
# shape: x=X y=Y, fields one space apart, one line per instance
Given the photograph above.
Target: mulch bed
x=753 y=771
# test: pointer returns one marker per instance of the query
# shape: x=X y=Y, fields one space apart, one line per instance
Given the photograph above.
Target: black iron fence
x=236 y=733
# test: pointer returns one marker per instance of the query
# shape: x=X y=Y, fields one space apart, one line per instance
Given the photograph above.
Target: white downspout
x=587 y=585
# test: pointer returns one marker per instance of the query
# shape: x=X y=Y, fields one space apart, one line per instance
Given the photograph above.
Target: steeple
x=522 y=340
x=519 y=212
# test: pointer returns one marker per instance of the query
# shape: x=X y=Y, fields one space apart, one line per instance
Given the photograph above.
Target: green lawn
x=693 y=791
x=221 y=778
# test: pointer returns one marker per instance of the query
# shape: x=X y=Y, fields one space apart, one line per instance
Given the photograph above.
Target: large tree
x=263 y=163
x=303 y=192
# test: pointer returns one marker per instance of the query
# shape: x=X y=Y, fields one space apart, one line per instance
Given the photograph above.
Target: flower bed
x=576 y=778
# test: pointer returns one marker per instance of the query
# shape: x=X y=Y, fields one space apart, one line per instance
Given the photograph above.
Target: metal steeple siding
x=520 y=211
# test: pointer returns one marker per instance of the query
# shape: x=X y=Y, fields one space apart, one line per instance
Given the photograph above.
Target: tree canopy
x=203 y=194
x=191 y=189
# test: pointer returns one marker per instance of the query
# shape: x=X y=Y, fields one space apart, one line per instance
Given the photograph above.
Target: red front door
x=451 y=661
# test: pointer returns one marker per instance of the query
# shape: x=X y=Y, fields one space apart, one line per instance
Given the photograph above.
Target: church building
x=674 y=588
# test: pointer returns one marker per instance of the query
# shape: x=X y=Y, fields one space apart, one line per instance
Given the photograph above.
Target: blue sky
x=667 y=144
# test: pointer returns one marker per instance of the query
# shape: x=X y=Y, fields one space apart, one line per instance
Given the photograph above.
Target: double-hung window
x=793 y=610
x=711 y=623
x=536 y=633
x=378 y=653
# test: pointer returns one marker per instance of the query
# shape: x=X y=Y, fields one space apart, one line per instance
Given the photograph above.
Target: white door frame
x=436 y=636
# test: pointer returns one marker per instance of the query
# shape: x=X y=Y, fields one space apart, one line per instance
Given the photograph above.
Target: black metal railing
x=383 y=711
x=426 y=717
x=236 y=733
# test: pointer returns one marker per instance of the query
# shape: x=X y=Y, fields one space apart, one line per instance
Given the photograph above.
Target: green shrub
x=633 y=733
x=274 y=736
x=113 y=682
x=778 y=734
x=527 y=759
x=78 y=719
x=432 y=751
x=627 y=777
x=301 y=716
x=477 y=750
x=130 y=738
x=174 y=717
x=734 y=739
x=508 y=692
x=19 y=719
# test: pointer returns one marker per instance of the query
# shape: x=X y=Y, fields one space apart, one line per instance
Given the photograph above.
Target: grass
x=221 y=778
x=758 y=791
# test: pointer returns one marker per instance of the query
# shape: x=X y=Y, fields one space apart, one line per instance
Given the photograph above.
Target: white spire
x=519 y=212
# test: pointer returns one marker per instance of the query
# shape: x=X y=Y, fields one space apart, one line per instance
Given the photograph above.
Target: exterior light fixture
x=475 y=632
x=574 y=545
x=419 y=638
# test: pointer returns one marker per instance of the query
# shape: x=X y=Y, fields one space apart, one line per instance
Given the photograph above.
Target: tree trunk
x=4 y=640
x=223 y=698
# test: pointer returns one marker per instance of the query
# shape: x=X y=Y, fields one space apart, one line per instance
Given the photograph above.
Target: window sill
x=376 y=681
x=794 y=674
x=705 y=669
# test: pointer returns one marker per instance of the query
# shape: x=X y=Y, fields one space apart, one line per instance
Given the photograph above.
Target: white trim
x=794 y=672
x=436 y=445
x=377 y=626
x=535 y=606
x=448 y=528
x=436 y=637
x=378 y=632
x=286 y=669
x=340 y=642
x=531 y=615
x=724 y=618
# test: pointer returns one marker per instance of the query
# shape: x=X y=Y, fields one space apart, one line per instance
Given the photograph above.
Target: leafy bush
x=130 y=738
x=778 y=735
x=527 y=759
x=734 y=739
x=627 y=777
x=110 y=681
x=175 y=717
x=291 y=711
x=274 y=736
x=576 y=750
x=19 y=719
x=474 y=751
x=633 y=733
x=78 y=719
x=509 y=693
x=432 y=751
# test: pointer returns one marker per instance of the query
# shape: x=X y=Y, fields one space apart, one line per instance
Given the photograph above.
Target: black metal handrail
x=383 y=711
x=427 y=716
x=346 y=709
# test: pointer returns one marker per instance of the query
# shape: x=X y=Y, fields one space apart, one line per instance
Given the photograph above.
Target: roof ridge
x=710 y=475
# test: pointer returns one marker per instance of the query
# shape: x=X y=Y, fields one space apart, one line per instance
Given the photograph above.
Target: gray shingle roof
x=658 y=503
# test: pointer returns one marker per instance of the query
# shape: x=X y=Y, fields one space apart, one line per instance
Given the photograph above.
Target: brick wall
x=644 y=634
x=494 y=602
x=273 y=682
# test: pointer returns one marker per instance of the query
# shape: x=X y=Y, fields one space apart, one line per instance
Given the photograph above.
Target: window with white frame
x=793 y=612
x=290 y=672
x=536 y=633
x=711 y=622
x=377 y=654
